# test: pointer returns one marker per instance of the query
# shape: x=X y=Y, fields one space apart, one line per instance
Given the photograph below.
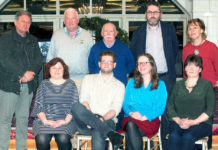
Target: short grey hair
x=71 y=10
x=23 y=12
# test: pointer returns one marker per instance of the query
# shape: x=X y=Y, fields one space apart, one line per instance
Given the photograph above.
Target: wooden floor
x=32 y=146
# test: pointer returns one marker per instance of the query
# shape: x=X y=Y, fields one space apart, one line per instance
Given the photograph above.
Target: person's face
x=192 y=70
x=109 y=32
x=144 y=66
x=57 y=71
x=153 y=15
x=107 y=64
x=194 y=31
x=22 y=24
x=71 y=21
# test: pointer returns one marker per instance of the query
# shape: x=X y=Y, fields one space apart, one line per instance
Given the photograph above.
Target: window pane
x=81 y=5
x=12 y=7
x=139 y=6
x=41 y=6
x=107 y=6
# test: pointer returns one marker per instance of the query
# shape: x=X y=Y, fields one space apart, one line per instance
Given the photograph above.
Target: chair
x=156 y=137
x=203 y=142
x=81 y=137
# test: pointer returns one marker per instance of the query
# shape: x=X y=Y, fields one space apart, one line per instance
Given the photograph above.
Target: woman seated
x=52 y=110
x=145 y=100
x=191 y=107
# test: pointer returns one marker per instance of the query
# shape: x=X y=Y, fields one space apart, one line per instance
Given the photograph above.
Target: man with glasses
x=103 y=95
x=159 y=39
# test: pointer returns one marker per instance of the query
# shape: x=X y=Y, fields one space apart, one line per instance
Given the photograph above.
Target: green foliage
x=95 y=24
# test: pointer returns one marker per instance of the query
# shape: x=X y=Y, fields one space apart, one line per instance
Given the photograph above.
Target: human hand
x=23 y=80
x=59 y=123
x=50 y=123
x=29 y=75
x=135 y=115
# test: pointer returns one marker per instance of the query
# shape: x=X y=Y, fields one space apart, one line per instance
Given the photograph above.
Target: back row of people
x=18 y=75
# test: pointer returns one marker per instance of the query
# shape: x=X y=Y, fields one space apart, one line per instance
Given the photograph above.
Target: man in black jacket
x=20 y=62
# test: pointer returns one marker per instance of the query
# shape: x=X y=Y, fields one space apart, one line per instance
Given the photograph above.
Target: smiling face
x=107 y=64
x=192 y=70
x=71 y=20
x=22 y=24
x=57 y=71
x=144 y=65
x=153 y=15
x=194 y=31
x=109 y=32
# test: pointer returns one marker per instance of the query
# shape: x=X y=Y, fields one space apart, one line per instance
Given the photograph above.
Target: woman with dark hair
x=198 y=45
x=191 y=107
x=145 y=100
x=52 y=110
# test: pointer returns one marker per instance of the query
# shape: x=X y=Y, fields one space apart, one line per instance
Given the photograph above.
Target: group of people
x=69 y=100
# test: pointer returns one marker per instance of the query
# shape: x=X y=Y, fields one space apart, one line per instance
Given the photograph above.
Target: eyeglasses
x=107 y=62
x=143 y=63
x=153 y=12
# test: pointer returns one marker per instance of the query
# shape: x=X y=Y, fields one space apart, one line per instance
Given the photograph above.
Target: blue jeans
x=11 y=103
x=184 y=139
x=165 y=129
x=99 y=129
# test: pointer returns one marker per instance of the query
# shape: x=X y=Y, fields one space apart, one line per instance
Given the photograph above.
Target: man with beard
x=103 y=95
x=159 y=39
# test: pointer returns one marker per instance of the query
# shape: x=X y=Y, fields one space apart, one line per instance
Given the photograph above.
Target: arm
x=109 y=115
x=52 y=50
x=130 y=61
x=93 y=67
x=174 y=41
x=127 y=98
x=86 y=104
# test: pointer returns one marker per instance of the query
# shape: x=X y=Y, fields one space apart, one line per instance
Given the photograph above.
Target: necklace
x=196 y=51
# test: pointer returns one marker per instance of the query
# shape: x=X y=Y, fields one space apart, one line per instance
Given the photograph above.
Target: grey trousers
x=11 y=103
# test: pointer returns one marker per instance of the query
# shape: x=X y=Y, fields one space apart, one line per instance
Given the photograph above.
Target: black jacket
x=170 y=45
x=16 y=57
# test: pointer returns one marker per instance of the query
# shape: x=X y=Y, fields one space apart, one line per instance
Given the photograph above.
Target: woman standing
x=52 y=109
x=145 y=100
x=198 y=45
x=191 y=107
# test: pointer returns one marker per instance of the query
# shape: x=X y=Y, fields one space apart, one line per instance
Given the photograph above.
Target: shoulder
x=118 y=83
x=85 y=32
x=32 y=37
x=6 y=36
x=203 y=82
x=58 y=32
x=141 y=28
x=122 y=44
x=131 y=82
x=210 y=44
x=90 y=77
x=166 y=25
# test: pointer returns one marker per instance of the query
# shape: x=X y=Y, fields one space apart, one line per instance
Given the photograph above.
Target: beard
x=106 y=71
x=154 y=23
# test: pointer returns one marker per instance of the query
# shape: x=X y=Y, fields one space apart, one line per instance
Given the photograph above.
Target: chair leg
x=148 y=144
x=78 y=144
x=86 y=144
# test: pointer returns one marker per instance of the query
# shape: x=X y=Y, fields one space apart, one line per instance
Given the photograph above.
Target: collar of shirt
x=149 y=28
x=108 y=45
x=76 y=34
x=107 y=79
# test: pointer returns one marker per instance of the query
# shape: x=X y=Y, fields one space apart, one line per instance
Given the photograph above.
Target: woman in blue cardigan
x=145 y=100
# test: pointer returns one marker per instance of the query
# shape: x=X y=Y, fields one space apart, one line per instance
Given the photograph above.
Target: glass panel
x=138 y=7
x=42 y=30
x=6 y=26
x=179 y=32
x=107 y=6
x=81 y=5
x=41 y=6
x=12 y=7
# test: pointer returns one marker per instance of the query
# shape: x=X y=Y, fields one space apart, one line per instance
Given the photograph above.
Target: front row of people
x=59 y=111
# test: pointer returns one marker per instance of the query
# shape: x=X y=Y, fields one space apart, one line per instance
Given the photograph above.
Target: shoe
x=116 y=139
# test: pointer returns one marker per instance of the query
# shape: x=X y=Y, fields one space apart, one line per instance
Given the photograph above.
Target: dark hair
x=198 y=22
x=154 y=76
x=107 y=53
x=53 y=62
x=152 y=2
x=197 y=60
x=23 y=12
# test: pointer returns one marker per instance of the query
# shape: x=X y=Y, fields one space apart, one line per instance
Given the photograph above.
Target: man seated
x=102 y=94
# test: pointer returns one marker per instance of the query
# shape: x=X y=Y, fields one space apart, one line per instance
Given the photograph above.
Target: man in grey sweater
x=72 y=44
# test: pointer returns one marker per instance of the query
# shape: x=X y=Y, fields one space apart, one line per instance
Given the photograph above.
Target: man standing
x=73 y=45
x=160 y=40
x=20 y=62
x=102 y=94
x=124 y=58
